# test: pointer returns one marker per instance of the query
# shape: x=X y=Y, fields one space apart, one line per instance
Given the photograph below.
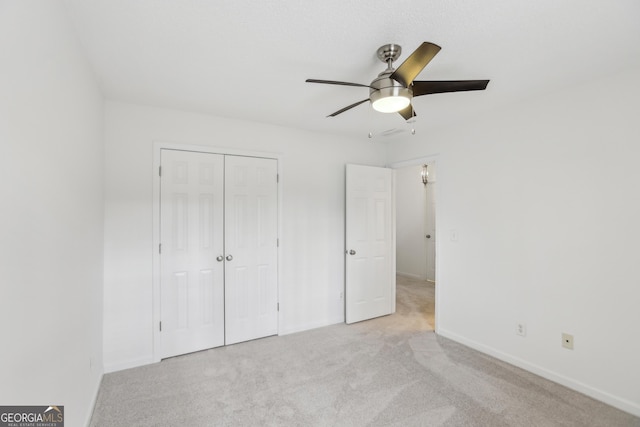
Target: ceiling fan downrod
x=388 y=53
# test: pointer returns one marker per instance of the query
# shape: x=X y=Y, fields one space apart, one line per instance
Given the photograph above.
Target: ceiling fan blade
x=412 y=66
x=333 y=82
x=428 y=87
x=407 y=112
x=355 y=104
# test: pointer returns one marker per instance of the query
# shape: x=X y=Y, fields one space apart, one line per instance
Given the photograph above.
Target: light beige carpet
x=391 y=371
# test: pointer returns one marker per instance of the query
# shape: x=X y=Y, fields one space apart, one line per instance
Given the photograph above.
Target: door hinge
x=160 y=326
x=159 y=170
x=277 y=243
x=278 y=306
x=160 y=248
x=277 y=177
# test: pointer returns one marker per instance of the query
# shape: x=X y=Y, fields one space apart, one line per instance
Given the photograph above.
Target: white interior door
x=251 y=293
x=191 y=227
x=370 y=243
x=430 y=230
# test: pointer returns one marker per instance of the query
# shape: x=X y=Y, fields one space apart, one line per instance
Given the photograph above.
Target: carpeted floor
x=391 y=371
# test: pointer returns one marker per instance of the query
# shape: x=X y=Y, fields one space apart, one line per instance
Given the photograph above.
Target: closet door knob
x=229 y=257
x=219 y=258
x=352 y=252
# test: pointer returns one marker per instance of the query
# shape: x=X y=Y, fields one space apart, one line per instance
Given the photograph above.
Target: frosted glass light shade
x=391 y=104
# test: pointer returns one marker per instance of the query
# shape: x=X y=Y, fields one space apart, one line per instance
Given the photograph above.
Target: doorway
x=416 y=235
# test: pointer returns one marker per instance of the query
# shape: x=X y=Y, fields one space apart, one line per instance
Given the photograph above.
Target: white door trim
x=155 y=295
x=434 y=159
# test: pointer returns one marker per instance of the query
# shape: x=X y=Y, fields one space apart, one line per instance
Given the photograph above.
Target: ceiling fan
x=393 y=89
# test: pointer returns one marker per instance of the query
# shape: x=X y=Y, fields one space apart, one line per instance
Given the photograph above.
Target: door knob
x=428 y=236
x=219 y=258
x=352 y=252
x=229 y=257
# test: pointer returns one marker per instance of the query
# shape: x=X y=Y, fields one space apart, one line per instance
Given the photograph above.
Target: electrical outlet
x=567 y=341
x=521 y=329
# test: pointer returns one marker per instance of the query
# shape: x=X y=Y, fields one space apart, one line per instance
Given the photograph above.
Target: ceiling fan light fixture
x=391 y=104
x=390 y=99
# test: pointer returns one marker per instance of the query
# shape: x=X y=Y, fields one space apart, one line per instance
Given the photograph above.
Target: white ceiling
x=249 y=59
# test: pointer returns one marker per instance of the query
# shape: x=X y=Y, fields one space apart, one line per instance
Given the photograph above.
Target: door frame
x=155 y=292
x=430 y=215
x=436 y=160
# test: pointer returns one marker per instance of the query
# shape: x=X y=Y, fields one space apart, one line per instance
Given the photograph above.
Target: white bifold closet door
x=218 y=232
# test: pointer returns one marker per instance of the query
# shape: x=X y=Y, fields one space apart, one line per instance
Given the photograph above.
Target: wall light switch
x=453 y=235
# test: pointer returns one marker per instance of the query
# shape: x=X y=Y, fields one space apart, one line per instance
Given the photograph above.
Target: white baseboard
x=134 y=363
x=603 y=396
x=410 y=275
x=94 y=401
x=309 y=326
x=127 y=364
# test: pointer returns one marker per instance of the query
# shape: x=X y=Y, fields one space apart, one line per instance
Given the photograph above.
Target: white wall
x=411 y=254
x=548 y=236
x=312 y=239
x=51 y=221
x=544 y=198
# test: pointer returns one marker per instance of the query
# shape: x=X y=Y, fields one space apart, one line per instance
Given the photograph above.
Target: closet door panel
x=191 y=235
x=250 y=248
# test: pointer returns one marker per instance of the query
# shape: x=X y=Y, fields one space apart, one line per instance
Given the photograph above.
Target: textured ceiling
x=249 y=59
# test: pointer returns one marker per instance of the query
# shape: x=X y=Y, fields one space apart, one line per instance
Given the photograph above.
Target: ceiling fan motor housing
x=385 y=93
